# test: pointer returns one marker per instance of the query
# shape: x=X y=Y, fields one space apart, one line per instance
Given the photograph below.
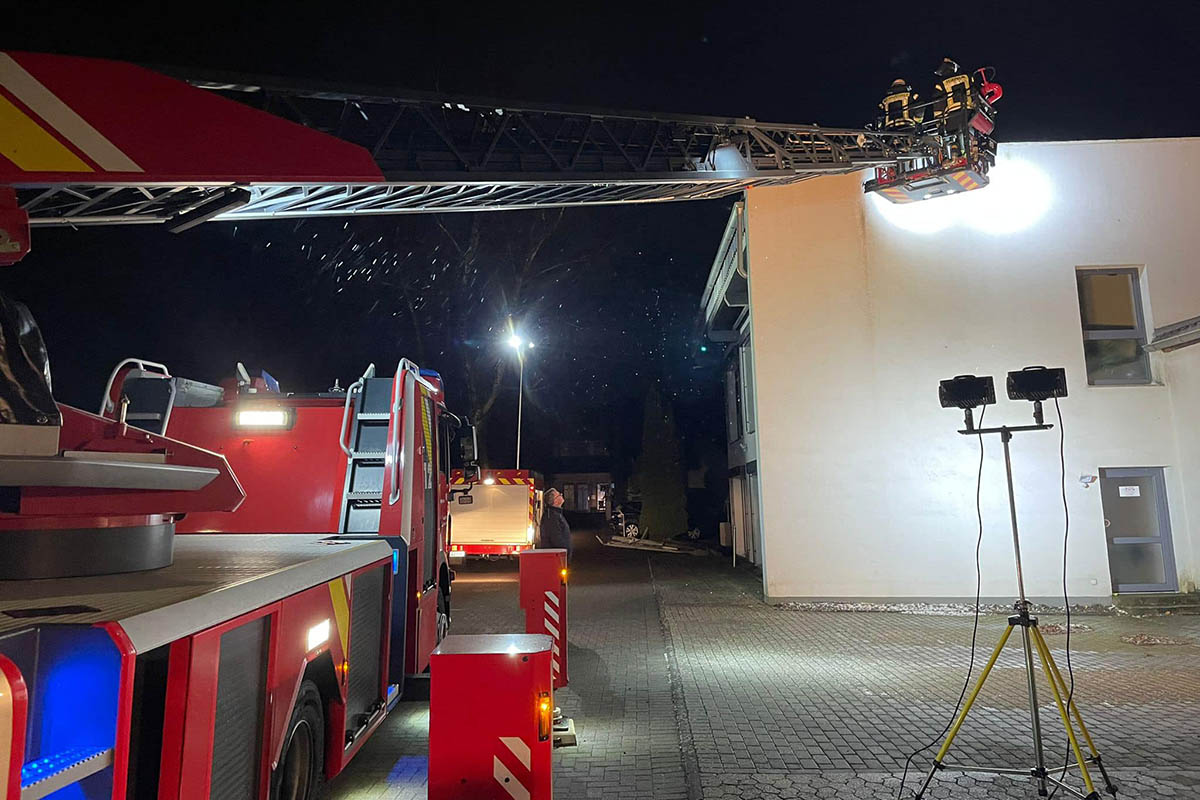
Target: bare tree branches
x=455 y=289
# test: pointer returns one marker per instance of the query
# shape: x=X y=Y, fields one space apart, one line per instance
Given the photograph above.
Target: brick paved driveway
x=685 y=685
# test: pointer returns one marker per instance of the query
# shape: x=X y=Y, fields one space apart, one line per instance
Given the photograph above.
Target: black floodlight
x=1037 y=383
x=967 y=391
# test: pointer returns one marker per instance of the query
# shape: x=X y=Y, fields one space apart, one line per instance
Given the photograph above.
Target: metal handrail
x=398 y=391
x=140 y=363
x=350 y=390
x=394 y=428
x=416 y=371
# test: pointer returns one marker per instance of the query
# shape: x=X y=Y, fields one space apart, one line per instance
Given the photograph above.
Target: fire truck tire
x=301 y=771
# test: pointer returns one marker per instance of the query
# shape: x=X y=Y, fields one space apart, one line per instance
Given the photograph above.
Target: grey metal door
x=753 y=531
x=1138 y=529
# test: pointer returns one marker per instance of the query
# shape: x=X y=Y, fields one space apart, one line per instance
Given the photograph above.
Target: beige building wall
x=860 y=308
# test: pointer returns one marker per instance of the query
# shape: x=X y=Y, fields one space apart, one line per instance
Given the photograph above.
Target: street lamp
x=519 y=345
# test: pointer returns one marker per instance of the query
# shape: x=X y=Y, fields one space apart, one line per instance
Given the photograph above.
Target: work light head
x=967 y=391
x=1037 y=383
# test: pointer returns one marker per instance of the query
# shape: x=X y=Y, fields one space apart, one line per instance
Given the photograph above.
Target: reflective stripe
x=553 y=630
x=516 y=790
x=63 y=118
x=965 y=180
x=550 y=612
x=518 y=747
x=341 y=611
x=30 y=147
x=552 y=596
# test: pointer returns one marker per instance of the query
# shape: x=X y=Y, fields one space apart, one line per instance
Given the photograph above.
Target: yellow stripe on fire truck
x=341 y=609
x=31 y=147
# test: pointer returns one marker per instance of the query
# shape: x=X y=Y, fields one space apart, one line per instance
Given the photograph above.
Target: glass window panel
x=1130 y=506
x=1136 y=564
x=1106 y=302
x=1116 y=361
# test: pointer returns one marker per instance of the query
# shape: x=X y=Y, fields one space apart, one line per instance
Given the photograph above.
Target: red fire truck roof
x=214 y=578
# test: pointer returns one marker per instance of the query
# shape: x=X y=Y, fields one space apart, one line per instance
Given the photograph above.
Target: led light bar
x=318 y=634
x=276 y=418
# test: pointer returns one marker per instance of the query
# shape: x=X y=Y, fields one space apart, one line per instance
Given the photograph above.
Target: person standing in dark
x=555 y=530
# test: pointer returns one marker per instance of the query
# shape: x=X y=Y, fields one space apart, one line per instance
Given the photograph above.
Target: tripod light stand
x=967 y=392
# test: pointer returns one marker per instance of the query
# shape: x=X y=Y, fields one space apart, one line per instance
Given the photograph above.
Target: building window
x=1114 y=327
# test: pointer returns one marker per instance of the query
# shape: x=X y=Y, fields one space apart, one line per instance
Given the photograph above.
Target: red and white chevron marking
x=504 y=776
x=550 y=606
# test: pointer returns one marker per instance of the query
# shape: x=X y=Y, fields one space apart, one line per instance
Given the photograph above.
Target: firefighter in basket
x=898 y=110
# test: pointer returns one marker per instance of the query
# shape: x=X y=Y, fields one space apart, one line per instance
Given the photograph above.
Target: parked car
x=626 y=519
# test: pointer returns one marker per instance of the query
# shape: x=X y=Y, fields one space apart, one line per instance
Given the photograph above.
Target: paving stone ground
x=686 y=686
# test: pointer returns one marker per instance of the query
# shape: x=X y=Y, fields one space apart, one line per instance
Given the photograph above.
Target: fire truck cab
x=372 y=460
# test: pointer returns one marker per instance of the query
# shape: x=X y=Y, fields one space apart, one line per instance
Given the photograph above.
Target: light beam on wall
x=1019 y=194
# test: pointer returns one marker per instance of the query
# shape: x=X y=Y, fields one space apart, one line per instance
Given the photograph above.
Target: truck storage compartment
x=364 y=694
x=241 y=697
x=71 y=676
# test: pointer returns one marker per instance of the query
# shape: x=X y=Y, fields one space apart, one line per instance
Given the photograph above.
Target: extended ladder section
x=368 y=401
x=310 y=152
x=289 y=152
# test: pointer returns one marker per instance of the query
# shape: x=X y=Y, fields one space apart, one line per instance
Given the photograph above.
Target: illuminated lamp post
x=519 y=345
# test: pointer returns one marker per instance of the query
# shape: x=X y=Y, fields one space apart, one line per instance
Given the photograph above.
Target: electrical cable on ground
x=1062 y=461
x=974 y=627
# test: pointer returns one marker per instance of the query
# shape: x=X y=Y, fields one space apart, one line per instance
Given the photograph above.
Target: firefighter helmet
x=947 y=68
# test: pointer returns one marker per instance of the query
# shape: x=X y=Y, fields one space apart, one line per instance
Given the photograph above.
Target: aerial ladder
x=151 y=149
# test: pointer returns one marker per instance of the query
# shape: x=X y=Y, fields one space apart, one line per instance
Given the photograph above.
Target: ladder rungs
x=369 y=455
x=373 y=417
x=376 y=496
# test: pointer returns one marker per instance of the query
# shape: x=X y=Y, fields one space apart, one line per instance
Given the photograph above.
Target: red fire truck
x=253 y=657
x=500 y=517
x=292 y=643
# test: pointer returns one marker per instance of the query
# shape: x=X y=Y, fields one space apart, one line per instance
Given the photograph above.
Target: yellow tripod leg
x=1044 y=653
x=1087 y=736
x=962 y=715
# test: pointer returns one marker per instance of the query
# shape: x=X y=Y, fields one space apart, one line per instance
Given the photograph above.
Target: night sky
x=615 y=308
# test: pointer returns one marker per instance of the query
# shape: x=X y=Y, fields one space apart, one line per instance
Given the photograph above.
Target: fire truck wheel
x=301 y=771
